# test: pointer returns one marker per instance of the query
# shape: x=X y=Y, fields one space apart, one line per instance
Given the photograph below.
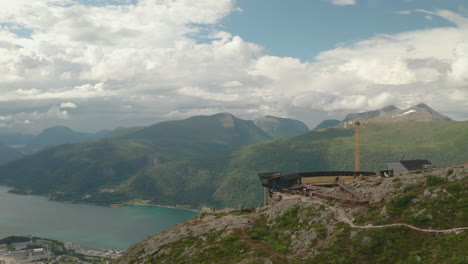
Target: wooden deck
x=326 y=180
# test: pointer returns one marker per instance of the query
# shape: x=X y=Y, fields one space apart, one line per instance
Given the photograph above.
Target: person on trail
x=337 y=179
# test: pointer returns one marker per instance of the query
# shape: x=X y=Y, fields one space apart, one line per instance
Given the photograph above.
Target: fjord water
x=87 y=225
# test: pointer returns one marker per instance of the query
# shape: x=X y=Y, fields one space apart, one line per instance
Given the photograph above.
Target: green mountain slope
x=8 y=154
x=278 y=127
x=74 y=171
x=122 y=132
x=232 y=181
x=58 y=135
x=71 y=170
x=218 y=132
x=327 y=123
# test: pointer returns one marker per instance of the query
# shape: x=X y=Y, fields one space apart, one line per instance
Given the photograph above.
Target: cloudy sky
x=96 y=64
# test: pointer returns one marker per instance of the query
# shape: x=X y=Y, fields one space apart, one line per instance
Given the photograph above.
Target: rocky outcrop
x=300 y=229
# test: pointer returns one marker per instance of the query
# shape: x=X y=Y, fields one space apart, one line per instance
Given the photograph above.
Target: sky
x=101 y=64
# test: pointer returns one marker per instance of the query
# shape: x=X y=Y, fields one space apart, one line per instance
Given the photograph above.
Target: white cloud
x=343 y=2
x=82 y=91
x=405 y=12
x=147 y=56
x=68 y=105
x=26 y=120
x=203 y=94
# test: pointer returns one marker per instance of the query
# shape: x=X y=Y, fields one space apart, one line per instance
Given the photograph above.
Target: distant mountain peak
x=423 y=105
x=57 y=128
x=279 y=127
x=388 y=108
x=421 y=110
x=224 y=114
x=327 y=123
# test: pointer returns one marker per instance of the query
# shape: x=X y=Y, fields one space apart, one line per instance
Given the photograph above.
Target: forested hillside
x=188 y=172
x=232 y=180
x=74 y=171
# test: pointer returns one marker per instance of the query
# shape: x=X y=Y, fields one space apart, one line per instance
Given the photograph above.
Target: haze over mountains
x=59 y=135
x=213 y=160
x=8 y=154
x=53 y=136
x=277 y=127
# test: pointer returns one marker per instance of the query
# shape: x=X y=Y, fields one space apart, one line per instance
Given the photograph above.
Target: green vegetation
x=272 y=238
x=232 y=179
x=108 y=198
x=432 y=180
x=277 y=127
x=447 y=209
x=297 y=233
x=397 y=206
x=73 y=171
x=14 y=239
x=276 y=234
x=227 y=249
x=158 y=163
x=438 y=204
x=394 y=245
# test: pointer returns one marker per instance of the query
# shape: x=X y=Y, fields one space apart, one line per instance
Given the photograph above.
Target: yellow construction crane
x=358 y=123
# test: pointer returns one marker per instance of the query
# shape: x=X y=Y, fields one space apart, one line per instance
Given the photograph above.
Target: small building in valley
x=404 y=166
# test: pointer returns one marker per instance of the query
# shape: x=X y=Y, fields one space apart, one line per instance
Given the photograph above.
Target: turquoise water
x=87 y=225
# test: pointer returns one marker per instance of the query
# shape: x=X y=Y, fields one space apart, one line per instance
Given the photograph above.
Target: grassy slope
x=232 y=180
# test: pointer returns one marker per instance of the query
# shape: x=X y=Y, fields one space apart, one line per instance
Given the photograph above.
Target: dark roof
x=414 y=164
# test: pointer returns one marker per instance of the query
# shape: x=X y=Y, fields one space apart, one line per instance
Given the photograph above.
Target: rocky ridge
x=412 y=218
x=389 y=113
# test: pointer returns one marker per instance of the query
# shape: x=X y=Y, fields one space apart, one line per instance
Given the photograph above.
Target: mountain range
x=391 y=113
x=52 y=136
x=213 y=160
x=73 y=170
x=388 y=113
x=59 y=135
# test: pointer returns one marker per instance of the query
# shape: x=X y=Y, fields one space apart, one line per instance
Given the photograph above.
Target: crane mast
x=357 y=155
x=358 y=123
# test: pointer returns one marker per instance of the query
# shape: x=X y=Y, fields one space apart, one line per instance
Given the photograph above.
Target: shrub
x=398 y=205
x=432 y=180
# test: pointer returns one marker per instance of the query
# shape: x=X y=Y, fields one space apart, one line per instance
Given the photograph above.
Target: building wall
x=326 y=180
x=397 y=168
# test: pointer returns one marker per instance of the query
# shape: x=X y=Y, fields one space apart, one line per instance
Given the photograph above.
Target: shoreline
x=155 y=205
x=134 y=202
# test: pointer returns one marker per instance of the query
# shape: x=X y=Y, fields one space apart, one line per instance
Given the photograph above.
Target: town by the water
x=29 y=249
